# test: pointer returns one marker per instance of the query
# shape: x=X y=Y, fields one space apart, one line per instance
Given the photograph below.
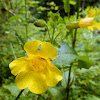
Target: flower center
x=38 y=64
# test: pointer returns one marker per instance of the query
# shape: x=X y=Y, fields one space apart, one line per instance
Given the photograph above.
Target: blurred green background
x=17 y=18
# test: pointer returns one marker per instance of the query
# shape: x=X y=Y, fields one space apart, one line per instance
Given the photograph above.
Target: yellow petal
x=23 y=79
x=35 y=82
x=18 y=65
x=48 y=50
x=38 y=84
x=92 y=13
x=53 y=75
x=91 y=28
x=85 y=22
x=31 y=47
x=94 y=24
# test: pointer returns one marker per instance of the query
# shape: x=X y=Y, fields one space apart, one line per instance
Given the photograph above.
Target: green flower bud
x=72 y=25
x=40 y=23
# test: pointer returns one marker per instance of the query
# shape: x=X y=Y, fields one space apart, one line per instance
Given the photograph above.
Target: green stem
x=44 y=33
x=39 y=96
x=19 y=94
x=53 y=33
x=68 y=9
x=48 y=33
x=19 y=43
x=74 y=40
x=26 y=19
x=57 y=36
x=59 y=33
x=72 y=93
x=78 y=5
x=19 y=37
x=68 y=84
x=13 y=50
x=73 y=44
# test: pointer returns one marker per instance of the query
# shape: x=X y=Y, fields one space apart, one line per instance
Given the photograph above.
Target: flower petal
x=94 y=24
x=91 y=28
x=31 y=47
x=33 y=81
x=18 y=65
x=92 y=13
x=48 y=50
x=53 y=75
x=85 y=22
x=38 y=84
x=23 y=80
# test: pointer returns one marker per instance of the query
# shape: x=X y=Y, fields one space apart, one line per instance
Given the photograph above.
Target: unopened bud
x=40 y=23
x=72 y=25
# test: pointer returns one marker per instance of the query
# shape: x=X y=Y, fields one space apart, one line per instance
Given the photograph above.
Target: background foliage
x=17 y=25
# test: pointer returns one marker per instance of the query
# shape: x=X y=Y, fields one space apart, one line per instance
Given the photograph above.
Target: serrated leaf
x=64 y=60
x=84 y=62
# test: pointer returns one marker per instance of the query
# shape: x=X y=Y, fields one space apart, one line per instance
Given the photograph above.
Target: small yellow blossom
x=36 y=72
x=88 y=21
x=85 y=22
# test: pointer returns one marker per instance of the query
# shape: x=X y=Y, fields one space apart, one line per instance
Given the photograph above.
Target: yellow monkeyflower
x=88 y=21
x=36 y=72
x=85 y=22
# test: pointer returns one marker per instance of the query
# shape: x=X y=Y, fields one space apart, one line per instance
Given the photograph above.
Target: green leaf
x=20 y=18
x=65 y=48
x=52 y=3
x=14 y=90
x=64 y=60
x=84 y=62
x=42 y=8
x=66 y=5
x=72 y=2
x=55 y=93
x=33 y=2
x=91 y=97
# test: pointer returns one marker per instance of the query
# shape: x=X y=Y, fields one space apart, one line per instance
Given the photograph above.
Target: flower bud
x=72 y=25
x=40 y=23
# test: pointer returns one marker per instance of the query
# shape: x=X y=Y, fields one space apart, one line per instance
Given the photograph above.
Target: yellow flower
x=88 y=21
x=36 y=72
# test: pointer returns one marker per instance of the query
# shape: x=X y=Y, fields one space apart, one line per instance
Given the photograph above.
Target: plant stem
x=26 y=19
x=74 y=40
x=73 y=45
x=44 y=33
x=68 y=88
x=53 y=33
x=58 y=34
x=39 y=96
x=83 y=6
x=13 y=50
x=68 y=9
x=19 y=94
x=19 y=37
x=78 y=5
x=48 y=33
